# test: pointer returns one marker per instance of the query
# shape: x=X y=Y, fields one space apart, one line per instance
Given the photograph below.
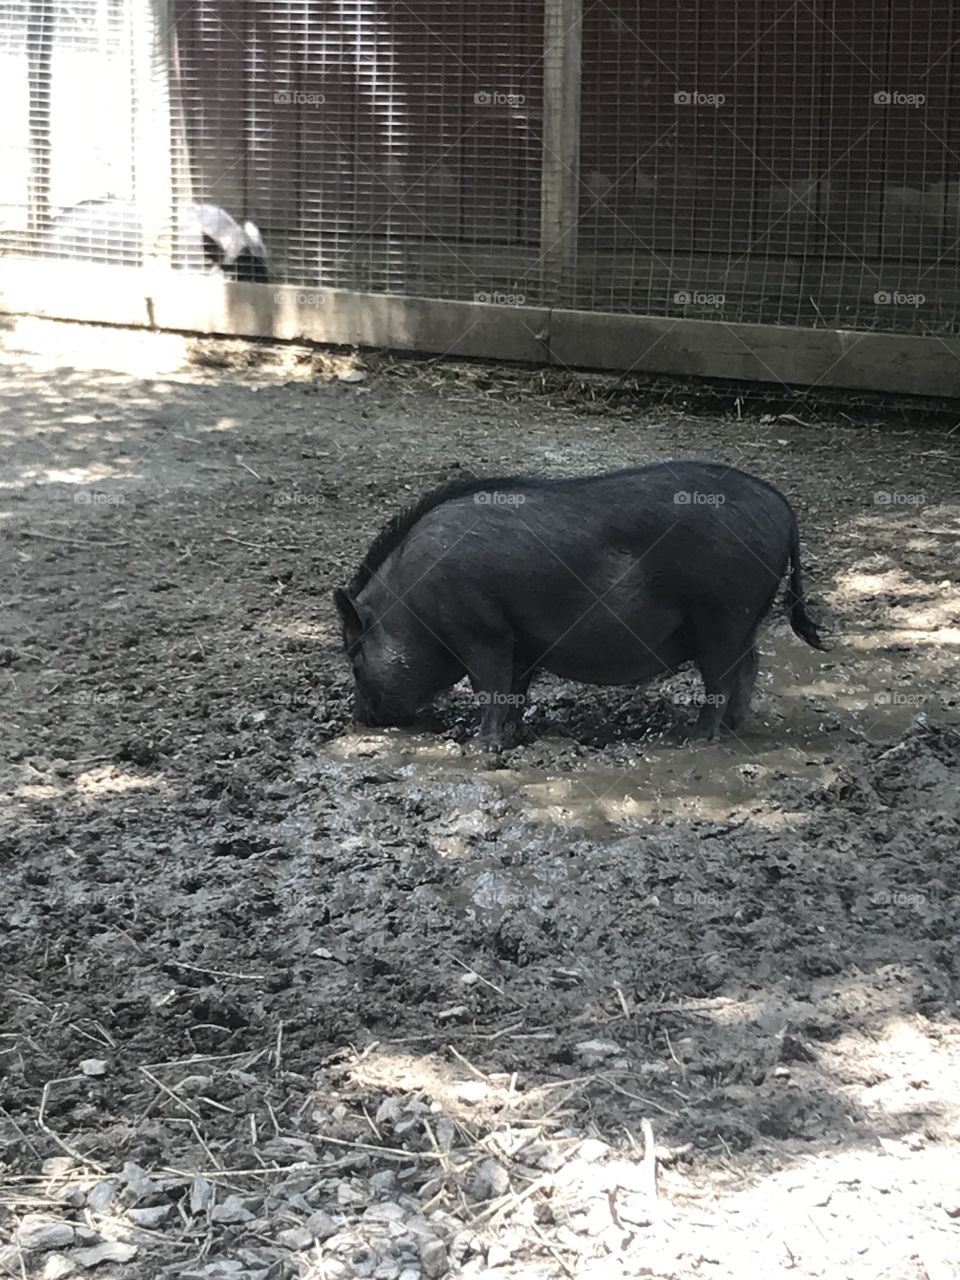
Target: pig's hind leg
x=746 y=678
x=727 y=661
x=745 y=674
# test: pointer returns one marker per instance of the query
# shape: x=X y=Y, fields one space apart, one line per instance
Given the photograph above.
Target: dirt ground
x=283 y=997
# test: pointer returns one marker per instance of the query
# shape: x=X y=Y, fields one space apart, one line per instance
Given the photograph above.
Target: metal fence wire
x=791 y=165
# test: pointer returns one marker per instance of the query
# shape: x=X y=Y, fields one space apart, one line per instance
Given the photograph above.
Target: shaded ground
x=453 y=994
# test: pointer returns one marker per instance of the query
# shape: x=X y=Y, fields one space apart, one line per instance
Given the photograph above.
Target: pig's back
x=608 y=521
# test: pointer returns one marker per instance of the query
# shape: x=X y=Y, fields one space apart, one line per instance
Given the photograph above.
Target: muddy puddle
x=807 y=704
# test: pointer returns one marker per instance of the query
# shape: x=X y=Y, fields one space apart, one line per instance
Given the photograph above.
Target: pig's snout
x=379 y=712
x=364 y=710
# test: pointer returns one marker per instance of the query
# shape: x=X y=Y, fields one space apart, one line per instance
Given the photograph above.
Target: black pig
x=608 y=579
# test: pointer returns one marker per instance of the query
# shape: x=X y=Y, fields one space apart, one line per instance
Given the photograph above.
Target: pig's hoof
x=704 y=733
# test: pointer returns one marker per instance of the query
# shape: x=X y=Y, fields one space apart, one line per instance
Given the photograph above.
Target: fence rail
x=722 y=161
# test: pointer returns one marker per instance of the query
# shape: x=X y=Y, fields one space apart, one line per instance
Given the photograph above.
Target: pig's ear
x=349 y=614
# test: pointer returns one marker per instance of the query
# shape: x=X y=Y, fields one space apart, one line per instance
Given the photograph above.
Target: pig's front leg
x=499 y=682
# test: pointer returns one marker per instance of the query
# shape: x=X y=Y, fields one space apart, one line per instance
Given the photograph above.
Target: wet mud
x=205 y=860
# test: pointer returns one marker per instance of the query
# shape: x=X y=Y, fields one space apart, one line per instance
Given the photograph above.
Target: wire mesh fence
x=785 y=167
x=67 y=109
x=736 y=162
x=382 y=146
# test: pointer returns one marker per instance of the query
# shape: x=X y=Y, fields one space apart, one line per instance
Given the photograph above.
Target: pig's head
x=397 y=665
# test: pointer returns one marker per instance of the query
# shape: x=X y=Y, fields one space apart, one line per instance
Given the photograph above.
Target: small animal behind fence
x=206 y=239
